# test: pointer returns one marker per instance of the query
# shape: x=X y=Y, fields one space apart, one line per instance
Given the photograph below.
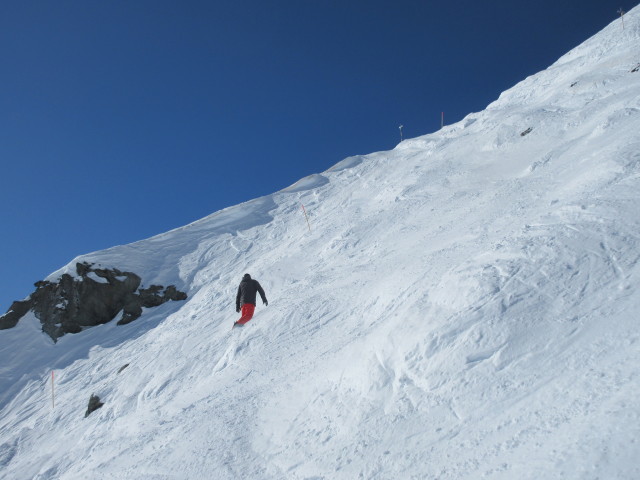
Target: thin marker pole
x=305 y=216
x=441 y=119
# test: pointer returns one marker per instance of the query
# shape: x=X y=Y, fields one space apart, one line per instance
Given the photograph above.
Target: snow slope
x=464 y=306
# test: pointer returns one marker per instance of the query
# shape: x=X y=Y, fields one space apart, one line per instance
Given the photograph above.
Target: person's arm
x=238 y=299
x=261 y=292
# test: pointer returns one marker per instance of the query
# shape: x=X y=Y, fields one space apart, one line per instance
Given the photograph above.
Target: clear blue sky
x=120 y=120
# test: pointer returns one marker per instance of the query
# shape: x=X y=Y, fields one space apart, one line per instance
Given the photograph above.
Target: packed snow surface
x=464 y=306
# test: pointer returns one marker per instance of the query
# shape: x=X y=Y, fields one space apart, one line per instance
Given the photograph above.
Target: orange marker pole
x=305 y=216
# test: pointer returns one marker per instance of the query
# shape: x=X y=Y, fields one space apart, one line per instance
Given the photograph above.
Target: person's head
x=246 y=277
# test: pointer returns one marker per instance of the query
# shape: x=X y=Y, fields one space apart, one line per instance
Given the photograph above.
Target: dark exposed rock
x=95 y=297
x=94 y=404
x=526 y=132
x=172 y=293
x=15 y=313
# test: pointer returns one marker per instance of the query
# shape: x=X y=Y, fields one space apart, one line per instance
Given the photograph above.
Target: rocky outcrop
x=94 y=297
x=15 y=313
x=94 y=404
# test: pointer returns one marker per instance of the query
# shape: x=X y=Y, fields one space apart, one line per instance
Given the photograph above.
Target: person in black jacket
x=246 y=298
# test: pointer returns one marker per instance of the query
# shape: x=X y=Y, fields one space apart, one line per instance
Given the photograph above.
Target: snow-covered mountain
x=464 y=306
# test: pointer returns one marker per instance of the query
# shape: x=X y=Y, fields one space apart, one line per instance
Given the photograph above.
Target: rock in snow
x=95 y=296
x=94 y=404
x=465 y=306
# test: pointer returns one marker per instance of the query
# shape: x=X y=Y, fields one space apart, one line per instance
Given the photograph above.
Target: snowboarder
x=246 y=298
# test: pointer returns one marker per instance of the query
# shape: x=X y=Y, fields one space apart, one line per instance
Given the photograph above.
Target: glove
x=266 y=303
x=237 y=309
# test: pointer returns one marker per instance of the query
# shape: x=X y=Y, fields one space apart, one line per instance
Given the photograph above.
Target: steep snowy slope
x=464 y=306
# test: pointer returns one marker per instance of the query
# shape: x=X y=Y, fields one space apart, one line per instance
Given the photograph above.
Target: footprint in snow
x=236 y=346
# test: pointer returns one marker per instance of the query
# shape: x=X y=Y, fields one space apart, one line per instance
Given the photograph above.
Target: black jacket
x=247 y=292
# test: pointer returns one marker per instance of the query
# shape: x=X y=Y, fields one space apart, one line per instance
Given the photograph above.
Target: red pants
x=247 y=313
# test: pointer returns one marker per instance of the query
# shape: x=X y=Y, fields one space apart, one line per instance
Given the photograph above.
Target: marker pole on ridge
x=305 y=216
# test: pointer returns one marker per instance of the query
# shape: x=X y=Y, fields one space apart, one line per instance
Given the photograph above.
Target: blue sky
x=120 y=120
